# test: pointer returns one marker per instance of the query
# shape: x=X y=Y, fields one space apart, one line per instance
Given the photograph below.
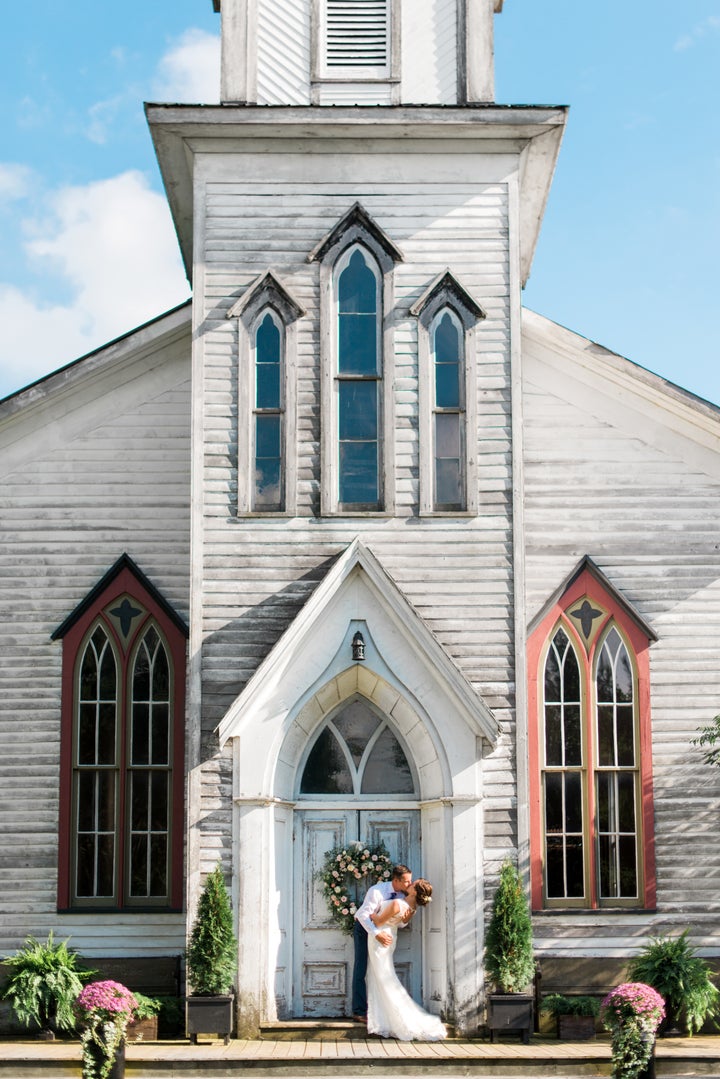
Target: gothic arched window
x=267 y=318
x=359 y=379
x=591 y=782
x=121 y=819
x=357 y=753
x=268 y=435
x=447 y=319
x=448 y=350
x=357 y=260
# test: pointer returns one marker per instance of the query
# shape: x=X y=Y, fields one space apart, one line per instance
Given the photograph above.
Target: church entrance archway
x=356 y=782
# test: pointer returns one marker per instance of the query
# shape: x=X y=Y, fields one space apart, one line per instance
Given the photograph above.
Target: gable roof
x=147 y=335
x=588 y=360
x=356 y=221
x=266 y=288
x=290 y=659
x=446 y=285
x=124 y=562
x=587 y=564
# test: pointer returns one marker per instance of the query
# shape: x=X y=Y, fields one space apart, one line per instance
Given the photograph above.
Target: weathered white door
x=323 y=954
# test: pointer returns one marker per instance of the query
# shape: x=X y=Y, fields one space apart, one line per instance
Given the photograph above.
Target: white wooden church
x=353 y=547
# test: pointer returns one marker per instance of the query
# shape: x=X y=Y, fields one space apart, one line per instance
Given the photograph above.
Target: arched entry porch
x=273 y=725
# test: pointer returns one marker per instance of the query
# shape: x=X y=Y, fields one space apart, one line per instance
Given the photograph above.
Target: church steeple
x=357 y=52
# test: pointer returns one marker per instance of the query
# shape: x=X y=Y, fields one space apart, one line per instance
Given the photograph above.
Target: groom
x=397 y=886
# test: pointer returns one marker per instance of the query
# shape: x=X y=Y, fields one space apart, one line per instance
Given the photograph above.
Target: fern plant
x=673 y=968
x=508 y=945
x=43 y=984
x=212 y=954
x=556 y=1004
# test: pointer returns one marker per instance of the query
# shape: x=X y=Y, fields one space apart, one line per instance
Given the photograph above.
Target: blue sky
x=628 y=248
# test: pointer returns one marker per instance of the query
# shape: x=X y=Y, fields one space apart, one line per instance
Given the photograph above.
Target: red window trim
x=587 y=585
x=124 y=582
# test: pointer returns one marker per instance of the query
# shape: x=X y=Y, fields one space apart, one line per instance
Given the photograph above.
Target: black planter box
x=511 y=1013
x=209 y=1015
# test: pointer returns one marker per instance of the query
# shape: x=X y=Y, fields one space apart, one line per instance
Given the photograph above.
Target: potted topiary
x=674 y=969
x=575 y=1015
x=43 y=985
x=509 y=960
x=211 y=963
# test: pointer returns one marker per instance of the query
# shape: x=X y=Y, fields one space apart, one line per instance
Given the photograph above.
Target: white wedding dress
x=392 y=1013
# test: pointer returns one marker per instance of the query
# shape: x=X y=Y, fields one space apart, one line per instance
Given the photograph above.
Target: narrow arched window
x=617 y=775
x=563 y=778
x=268 y=440
x=447 y=336
x=359 y=380
x=150 y=769
x=448 y=317
x=96 y=795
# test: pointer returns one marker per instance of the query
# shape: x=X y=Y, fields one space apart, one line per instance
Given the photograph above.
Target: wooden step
x=312 y=1030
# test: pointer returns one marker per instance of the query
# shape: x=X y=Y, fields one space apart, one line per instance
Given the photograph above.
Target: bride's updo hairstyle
x=423 y=892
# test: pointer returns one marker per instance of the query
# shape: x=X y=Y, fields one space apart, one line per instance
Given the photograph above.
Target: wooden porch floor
x=358 y=1055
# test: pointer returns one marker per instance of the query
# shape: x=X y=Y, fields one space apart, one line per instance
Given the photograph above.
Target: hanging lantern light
x=358 y=647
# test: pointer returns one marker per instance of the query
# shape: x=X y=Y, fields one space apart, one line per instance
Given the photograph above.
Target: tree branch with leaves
x=710 y=736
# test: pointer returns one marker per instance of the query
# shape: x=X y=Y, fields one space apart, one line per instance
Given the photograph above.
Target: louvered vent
x=357 y=34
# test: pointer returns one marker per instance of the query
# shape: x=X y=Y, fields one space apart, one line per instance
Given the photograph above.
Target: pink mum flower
x=633 y=1001
x=109 y=998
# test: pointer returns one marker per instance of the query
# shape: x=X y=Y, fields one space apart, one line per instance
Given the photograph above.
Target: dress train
x=392 y=1013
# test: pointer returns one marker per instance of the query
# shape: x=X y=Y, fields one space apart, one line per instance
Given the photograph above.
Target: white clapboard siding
x=110 y=474
x=283 y=54
x=349 y=55
x=631 y=478
x=258 y=573
x=429 y=46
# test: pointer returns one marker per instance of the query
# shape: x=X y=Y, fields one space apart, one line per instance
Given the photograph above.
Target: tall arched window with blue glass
x=268 y=413
x=448 y=353
x=359 y=379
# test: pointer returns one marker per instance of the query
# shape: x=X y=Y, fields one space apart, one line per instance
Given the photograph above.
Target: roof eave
x=532 y=132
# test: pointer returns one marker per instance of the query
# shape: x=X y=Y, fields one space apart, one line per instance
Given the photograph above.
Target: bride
x=392 y=1013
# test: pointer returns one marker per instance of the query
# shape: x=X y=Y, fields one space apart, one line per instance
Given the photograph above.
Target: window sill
x=464 y=514
x=259 y=515
x=355 y=514
x=361 y=77
x=564 y=911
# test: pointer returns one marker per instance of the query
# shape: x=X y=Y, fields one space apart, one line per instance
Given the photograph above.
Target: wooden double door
x=322 y=953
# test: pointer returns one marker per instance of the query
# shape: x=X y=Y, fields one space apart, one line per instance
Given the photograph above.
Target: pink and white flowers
x=343 y=866
x=632 y=1012
x=104 y=1010
x=633 y=1002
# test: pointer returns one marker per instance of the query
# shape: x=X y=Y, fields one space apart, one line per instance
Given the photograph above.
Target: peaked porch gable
x=356 y=595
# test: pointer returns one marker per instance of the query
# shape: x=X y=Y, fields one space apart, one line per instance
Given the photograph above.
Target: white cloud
x=102 y=117
x=709 y=25
x=103 y=257
x=190 y=71
x=15 y=181
x=113 y=244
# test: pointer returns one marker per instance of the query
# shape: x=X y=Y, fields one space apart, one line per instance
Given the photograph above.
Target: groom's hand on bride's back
x=384 y=937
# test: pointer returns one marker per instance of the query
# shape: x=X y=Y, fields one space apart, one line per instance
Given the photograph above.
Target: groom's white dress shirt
x=371 y=904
